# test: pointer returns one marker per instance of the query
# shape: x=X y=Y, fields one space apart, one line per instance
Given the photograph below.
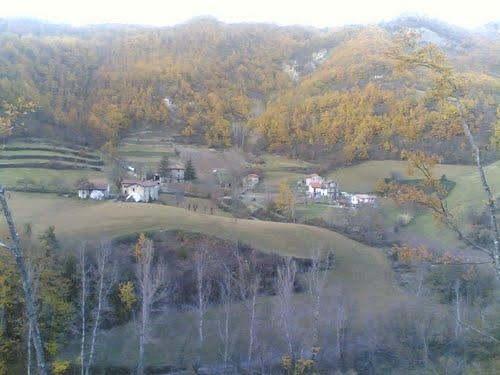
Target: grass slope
x=363 y=268
x=467 y=193
x=362 y=178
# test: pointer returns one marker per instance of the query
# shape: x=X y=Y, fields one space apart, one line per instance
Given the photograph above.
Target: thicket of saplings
x=264 y=313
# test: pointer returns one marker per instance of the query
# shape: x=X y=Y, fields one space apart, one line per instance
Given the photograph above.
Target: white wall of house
x=143 y=193
x=94 y=193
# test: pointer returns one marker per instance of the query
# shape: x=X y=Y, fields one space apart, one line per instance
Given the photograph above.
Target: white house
x=357 y=199
x=140 y=191
x=251 y=180
x=317 y=189
x=97 y=190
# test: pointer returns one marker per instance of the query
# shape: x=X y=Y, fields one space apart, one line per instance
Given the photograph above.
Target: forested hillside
x=304 y=90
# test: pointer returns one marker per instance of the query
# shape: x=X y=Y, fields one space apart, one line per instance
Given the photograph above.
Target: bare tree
x=316 y=281
x=226 y=299
x=285 y=282
x=106 y=277
x=84 y=270
x=249 y=286
x=15 y=249
x=341 y=314
x=150 y=279
x=201 y=260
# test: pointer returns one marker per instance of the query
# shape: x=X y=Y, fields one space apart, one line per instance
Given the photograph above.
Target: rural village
x=213 y=198
x=313 y=188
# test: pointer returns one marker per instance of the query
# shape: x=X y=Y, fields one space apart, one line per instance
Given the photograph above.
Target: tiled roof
x=146 y=183
x=93 y=185
x=316 y=185
x=365 y=196
x=176 y=166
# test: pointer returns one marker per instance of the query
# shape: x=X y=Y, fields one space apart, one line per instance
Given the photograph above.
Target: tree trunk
x=458 y=326
x=487 y=191
x=28 y=349
x=83 y=302
x=251 y=329
x=101 y=294
x=15 y=249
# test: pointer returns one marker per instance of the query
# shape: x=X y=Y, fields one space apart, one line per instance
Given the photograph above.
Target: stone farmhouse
x=97 y=190
x=140 y=190
x=176 y=173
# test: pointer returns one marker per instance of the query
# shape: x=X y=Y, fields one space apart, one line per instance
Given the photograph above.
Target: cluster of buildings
x=318 y=188
x=134 y=190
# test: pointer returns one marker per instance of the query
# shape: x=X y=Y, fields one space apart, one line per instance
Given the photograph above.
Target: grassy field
x=361 y=266
x=44 y=177
x=276 y=163
x=363 y=272
x=204 y=204
x=466 y=194
x=277 y=169
x=362 y=178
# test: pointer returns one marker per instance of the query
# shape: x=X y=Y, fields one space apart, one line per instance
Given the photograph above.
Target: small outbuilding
x=97 y=190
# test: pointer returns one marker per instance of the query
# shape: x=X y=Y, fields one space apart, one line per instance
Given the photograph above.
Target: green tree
x=189 y=171
x=163 y=167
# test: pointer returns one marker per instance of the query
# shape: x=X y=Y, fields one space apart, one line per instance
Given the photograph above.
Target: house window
x=133 y=189
x=126 y=192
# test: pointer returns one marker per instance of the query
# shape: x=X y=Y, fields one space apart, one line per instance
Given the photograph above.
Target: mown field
x=364 y=268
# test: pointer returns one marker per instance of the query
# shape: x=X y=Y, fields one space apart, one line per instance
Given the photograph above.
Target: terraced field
x=145 y=149
x=42 y=166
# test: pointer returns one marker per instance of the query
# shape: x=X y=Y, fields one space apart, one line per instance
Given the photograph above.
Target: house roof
x=316 y=185
x=365 y=196
x=176 y=166
x=253 y=175
x=312 y=175
x=93 y=185
x=144 y=183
